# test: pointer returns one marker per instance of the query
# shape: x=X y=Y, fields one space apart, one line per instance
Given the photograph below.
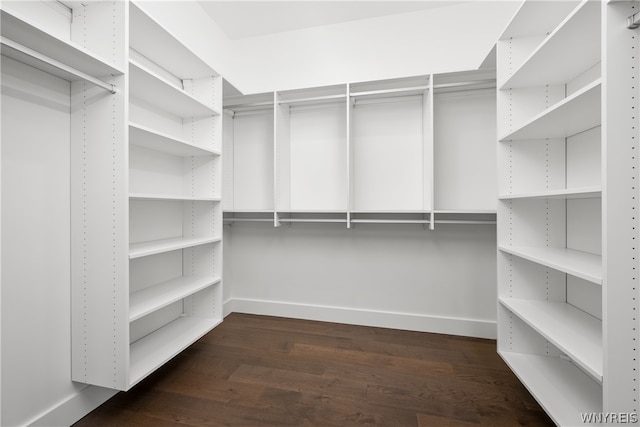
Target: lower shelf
x=562 y=389
x=574 y=332
x=152 y=351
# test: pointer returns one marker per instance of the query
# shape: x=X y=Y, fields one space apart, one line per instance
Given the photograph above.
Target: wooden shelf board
x=153 y=41
x=563 y=390
x=138 y=250
x=155 y=297
x=579 y=112
x=567 y=193
x=28 y=34
x=156 y=90
x=144 y=196
x=155 y=349
x=573 y=331
x=580 y=28
x=580 y=264
x=148 y=138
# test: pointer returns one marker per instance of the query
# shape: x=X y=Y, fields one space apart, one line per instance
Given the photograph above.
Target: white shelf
x=138 y=250
x=466 y=211
x=324 y=220
x=567 y=193
x=562 y=389
x=148 y=138
x=390 y=212
x=574 y=332
x=390 y=221
x=558 y=59
x=155 y=297
x=20 y=30
x=155 y=349
x=580 y=264
x=248 y=220
x=574 y=114
x=157 y=44
x=534 y=16
x=158 y=91
x=253 y=211
x=142 y=196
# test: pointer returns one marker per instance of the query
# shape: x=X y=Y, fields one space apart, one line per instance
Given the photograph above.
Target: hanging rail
x=57 y=64
x=633 y=21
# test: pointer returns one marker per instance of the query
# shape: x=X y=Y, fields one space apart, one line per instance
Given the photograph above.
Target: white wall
x=450 y=38
x=399 y=276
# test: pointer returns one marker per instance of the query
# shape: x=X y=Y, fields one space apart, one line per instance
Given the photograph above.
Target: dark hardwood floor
x=268 y=371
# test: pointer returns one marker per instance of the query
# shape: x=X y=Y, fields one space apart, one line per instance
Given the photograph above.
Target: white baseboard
x=383 y=319
x=75 y=407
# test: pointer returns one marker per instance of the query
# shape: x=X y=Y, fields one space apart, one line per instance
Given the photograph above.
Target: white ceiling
x=241 y=19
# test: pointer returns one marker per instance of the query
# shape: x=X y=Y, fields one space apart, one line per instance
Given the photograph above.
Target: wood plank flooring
x=269 y=371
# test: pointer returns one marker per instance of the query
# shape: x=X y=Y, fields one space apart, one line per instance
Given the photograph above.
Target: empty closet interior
x=495 y=200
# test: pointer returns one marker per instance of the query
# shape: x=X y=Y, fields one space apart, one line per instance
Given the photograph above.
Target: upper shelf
x=158 y=91
x=153 y=41
x=580 y=28
x=565 y=193
x=534 y=16
x=574 y=114
x=149 y=138
x=23 y=32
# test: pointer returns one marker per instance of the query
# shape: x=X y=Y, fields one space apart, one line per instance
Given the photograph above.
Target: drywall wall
x=36 y=316
x=452 y=38
x=399 y=276
x=444 y=39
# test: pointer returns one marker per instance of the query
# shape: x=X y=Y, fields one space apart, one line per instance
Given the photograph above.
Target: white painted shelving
x=161 y=230
x=568 y=300
x=363 y=153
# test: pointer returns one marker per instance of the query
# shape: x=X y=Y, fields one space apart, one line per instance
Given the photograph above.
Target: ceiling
x=242 y=19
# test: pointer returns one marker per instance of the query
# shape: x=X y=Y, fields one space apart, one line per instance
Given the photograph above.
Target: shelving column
x=175 y=211
x=621 y=204
x=550 y=252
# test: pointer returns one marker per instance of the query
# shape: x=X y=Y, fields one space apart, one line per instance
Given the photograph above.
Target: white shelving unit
x=311 y=159
x=25 y=41
x=363 y=153
x=63 y=193
x=464 y=122
x=558 y=157
x=169 y=237
x=249 y=157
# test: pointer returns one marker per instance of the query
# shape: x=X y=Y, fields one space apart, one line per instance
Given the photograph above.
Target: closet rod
x=462 y=84
x=57 y=64
x=313 y=98
x=385 y=91
x=633 y=21
x=250 y=104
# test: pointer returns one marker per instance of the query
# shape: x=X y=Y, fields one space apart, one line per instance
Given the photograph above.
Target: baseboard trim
x=75 y=407
x=383 y=319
